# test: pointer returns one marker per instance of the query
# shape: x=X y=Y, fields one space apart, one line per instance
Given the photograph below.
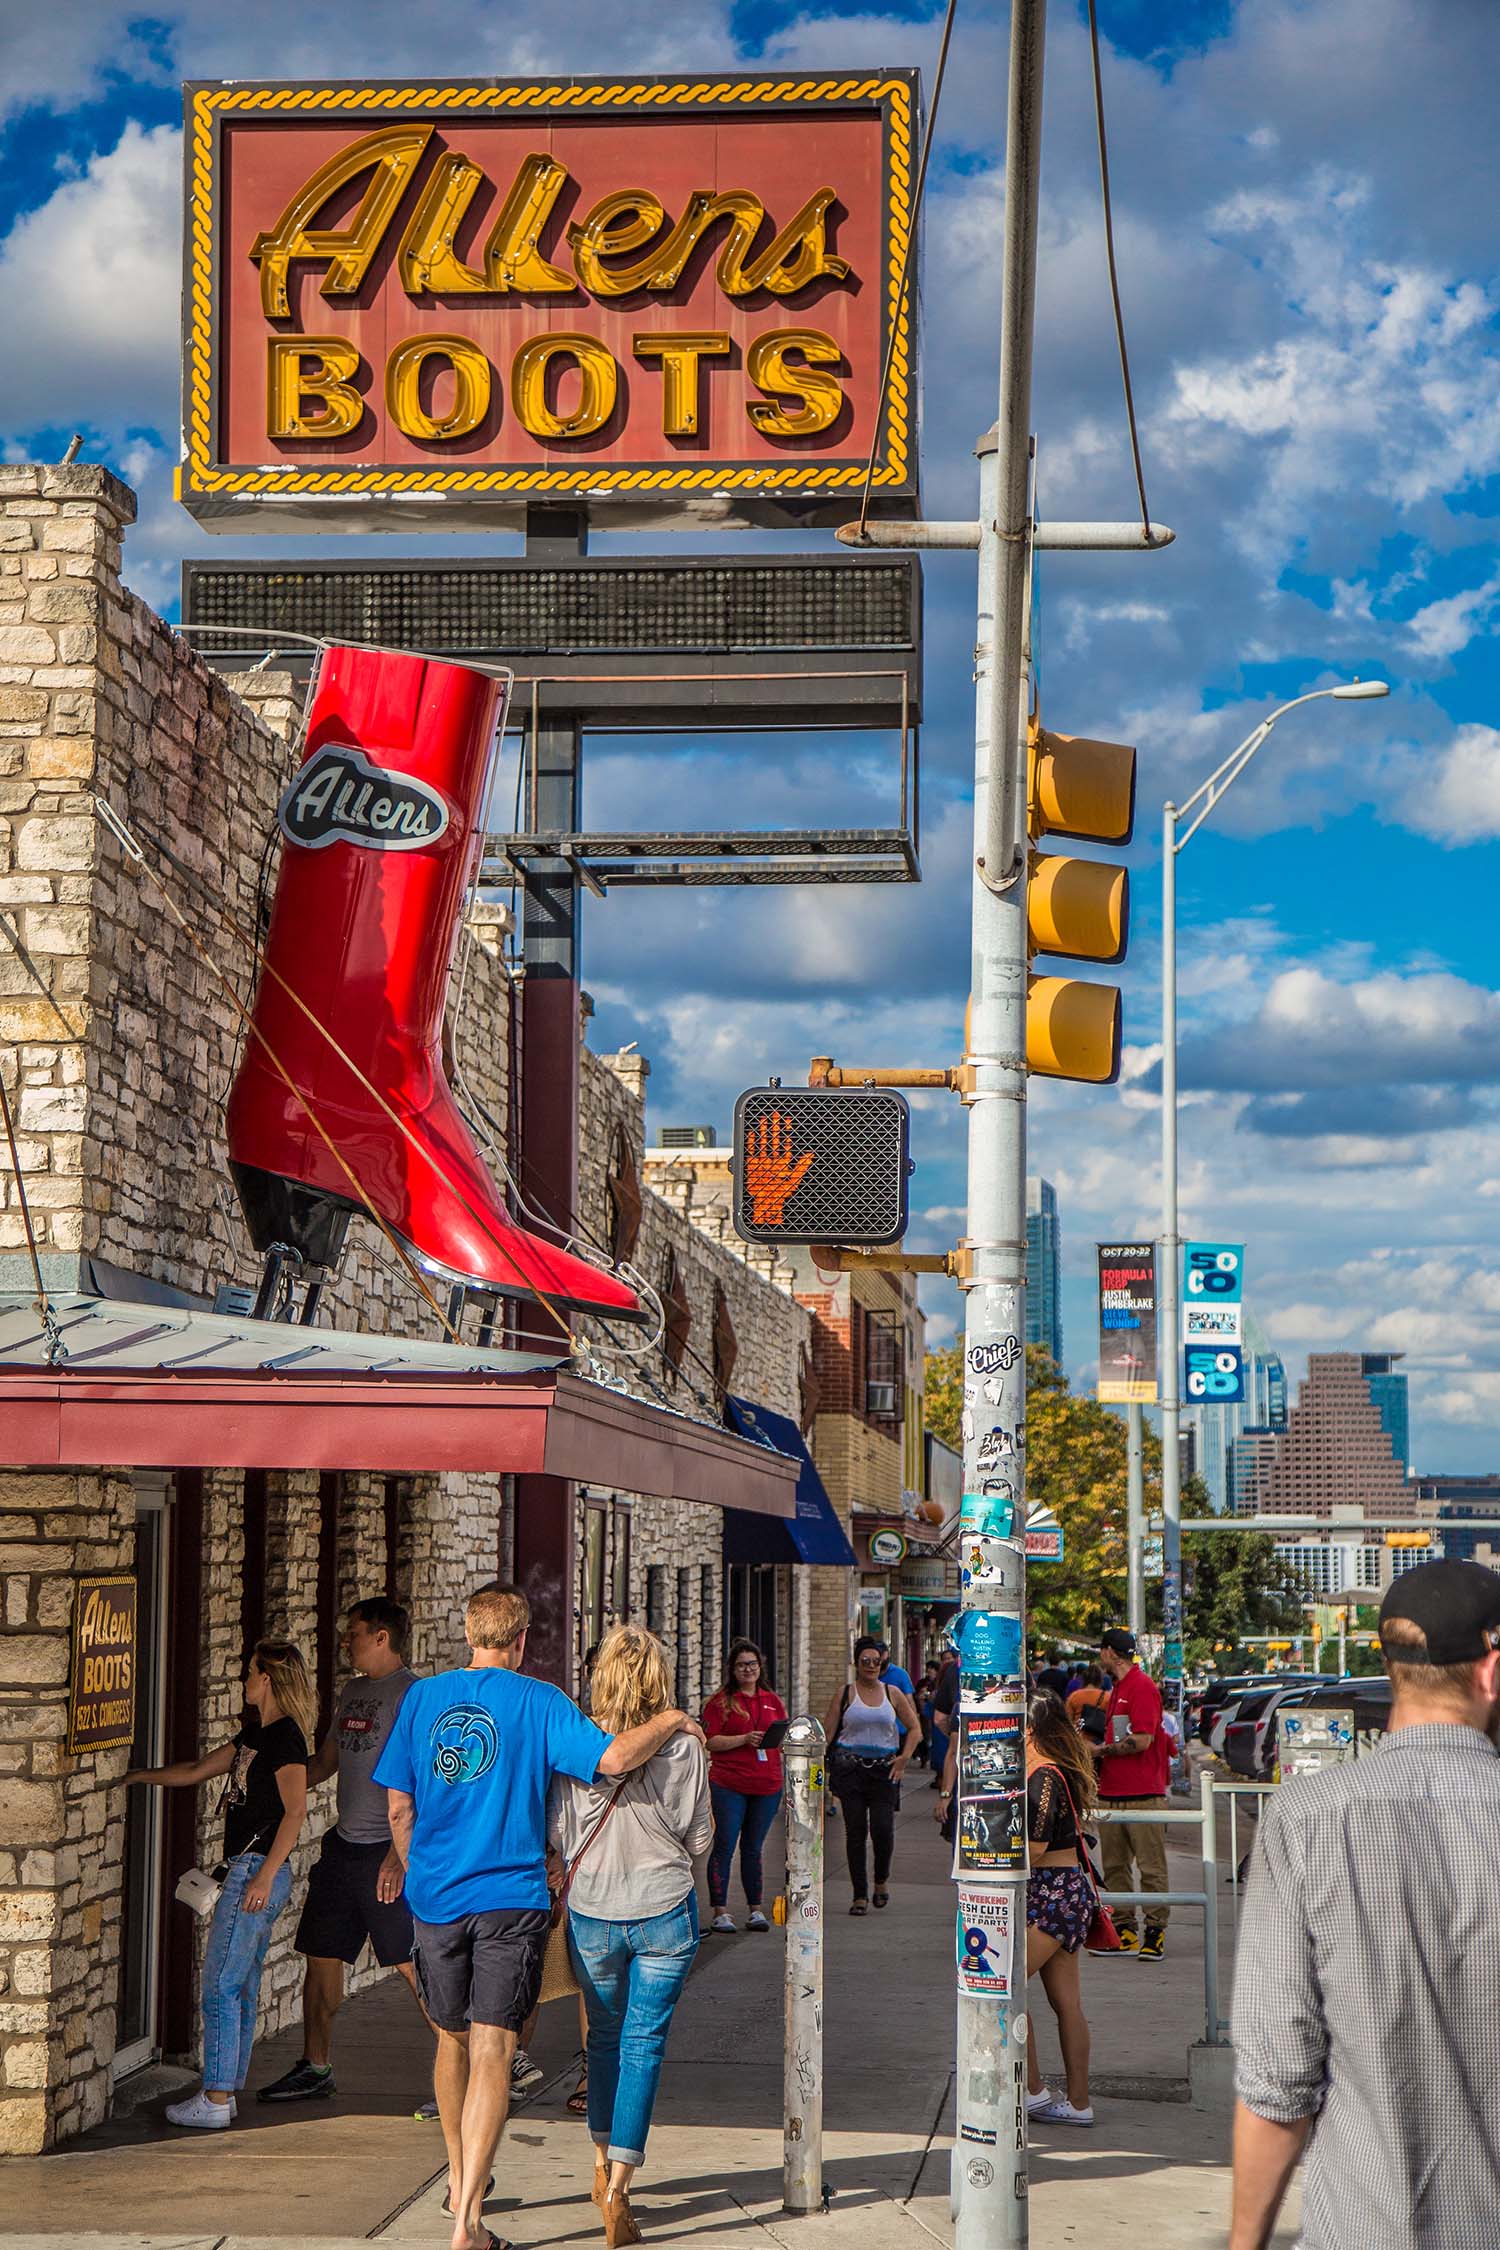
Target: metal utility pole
x=802 y=2129
x=1135 y=1490
x=1170 y=1323
x=991 y=2180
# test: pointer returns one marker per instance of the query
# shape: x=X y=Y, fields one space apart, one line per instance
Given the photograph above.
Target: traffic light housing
x=1079 y=908
x=1408 y=1538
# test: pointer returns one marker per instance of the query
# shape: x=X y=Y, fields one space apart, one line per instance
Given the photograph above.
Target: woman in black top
x=1060 y=1901
x=264 y=1805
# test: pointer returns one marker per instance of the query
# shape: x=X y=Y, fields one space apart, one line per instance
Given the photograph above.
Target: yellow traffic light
x=1408 y=1538
x=1076 y=907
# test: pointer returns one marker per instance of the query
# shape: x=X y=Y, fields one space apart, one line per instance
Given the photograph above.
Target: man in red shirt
x=1134 y=1763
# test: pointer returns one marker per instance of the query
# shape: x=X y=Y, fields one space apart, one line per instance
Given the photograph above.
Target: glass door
x=135 y=2036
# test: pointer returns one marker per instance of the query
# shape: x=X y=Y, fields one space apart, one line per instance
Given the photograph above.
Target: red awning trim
x=549 y=1423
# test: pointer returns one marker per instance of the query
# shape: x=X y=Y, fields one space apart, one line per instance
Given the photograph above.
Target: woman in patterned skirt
x=1059 y=1900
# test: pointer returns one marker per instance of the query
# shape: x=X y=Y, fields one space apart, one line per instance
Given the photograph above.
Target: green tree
x=1235 y=1583
x=1075 y=1465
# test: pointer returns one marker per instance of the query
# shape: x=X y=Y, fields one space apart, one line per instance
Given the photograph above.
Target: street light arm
x=1224 y=776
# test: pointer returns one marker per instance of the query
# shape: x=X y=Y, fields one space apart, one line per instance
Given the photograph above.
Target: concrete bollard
x=802 y=2144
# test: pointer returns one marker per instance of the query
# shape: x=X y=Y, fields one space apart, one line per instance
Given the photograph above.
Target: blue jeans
x=236 y=1955
x=745 y=1821
x=632 y=1975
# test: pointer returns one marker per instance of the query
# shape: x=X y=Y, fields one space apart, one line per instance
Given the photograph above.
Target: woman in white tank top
x=872 y=1731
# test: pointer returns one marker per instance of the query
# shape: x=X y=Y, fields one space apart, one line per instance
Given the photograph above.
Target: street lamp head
x=1357 y=691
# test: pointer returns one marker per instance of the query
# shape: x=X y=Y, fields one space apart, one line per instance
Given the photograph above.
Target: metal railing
x=1204 y=1818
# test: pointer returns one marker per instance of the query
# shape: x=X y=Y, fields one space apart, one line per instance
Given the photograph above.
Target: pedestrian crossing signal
x=812 y=1164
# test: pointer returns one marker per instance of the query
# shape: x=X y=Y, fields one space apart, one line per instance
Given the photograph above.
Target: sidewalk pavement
x=360 y=2167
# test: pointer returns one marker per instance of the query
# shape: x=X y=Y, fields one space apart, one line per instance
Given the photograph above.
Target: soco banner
x=1213 y=1282
x=1127 y=1322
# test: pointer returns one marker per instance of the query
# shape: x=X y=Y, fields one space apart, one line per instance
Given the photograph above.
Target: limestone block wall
x=61 y=1819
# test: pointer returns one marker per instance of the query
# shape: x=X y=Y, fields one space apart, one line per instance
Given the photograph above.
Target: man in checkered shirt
x=1367 y=1990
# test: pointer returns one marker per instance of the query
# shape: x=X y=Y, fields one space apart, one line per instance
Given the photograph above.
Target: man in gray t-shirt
x=356 y=1890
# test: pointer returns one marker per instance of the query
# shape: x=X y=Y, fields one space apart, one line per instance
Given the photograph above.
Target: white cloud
x=91 y=283
x=1455 y=794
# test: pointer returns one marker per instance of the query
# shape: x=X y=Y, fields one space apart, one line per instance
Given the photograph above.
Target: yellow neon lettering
x=528 y=386
x=390 y=157
x=471 y=387
x=801 y=400
x=304 y=368
x=616 y=224
x=680 y=358
x=512 y=261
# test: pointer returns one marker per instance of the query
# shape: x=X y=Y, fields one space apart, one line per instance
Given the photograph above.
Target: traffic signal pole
x=990 y=2091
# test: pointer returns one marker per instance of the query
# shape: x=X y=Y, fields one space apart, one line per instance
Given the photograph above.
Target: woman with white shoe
x=1060 y=1900
x=744 y=1773
x=264 y=1804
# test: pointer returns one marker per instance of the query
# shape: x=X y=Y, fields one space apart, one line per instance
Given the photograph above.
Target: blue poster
x=1213 y=1273
x=987 y=1641
x=1213 y=1374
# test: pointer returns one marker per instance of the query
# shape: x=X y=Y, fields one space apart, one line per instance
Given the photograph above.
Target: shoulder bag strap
x=843 y=1714
x=1083 y=1858
x=594 y=1833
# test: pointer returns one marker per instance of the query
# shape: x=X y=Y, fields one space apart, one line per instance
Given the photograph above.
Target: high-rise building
x=1337 y=1449
x=1457 y=1499
x=1388 y=1389
x=1043 y=1292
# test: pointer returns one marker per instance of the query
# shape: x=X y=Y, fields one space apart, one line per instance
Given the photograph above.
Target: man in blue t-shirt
x=467 y=1767
x=893 y=1675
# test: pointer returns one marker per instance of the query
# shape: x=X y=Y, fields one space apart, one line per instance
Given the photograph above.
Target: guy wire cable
x=1114 y=279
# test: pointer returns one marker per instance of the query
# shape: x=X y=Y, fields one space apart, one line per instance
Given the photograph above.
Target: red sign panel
x=676 y=296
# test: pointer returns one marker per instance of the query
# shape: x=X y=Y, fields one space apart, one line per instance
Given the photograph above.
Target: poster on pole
x=984 y=1942
x=1213 y=1296
x=1127 y=1323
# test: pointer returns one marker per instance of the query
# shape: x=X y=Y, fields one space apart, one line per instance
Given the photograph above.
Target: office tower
x=1043 y=1295
x=1337 y=1449
x=1388 y=1390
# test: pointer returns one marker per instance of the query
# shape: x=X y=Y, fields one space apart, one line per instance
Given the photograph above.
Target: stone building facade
x=118 y=1041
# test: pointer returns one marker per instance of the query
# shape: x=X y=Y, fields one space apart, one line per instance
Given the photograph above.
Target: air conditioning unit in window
x=880 y=1400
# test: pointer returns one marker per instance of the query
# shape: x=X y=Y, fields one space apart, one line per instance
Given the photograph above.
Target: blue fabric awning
x=814 y=1534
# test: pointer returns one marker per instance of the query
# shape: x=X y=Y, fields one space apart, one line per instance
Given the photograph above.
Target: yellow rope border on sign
x=199 y=477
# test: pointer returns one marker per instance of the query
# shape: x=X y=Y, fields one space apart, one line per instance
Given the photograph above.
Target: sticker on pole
x=991 y=1564
x=987 y=1640
x=988 y=1515
x=984 y=1942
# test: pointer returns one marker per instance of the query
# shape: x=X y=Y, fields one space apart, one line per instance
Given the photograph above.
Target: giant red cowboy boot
x=380 y=840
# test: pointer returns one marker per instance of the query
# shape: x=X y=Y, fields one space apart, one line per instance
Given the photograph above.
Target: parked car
x=1244 y=1733
x=1235 y=1705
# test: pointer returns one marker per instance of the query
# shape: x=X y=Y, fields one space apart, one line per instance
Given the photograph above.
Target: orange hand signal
x=771 y=1172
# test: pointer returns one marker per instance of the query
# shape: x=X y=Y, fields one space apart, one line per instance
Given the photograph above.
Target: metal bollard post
x=1210 y=1857
x=802 y=2131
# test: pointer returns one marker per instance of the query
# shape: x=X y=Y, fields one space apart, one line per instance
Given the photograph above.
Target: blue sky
x=1305 y=194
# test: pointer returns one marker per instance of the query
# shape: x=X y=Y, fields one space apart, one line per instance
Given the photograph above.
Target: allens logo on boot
x=338 y=796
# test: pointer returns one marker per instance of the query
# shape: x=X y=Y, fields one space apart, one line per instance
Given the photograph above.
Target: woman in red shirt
x=744 y=1779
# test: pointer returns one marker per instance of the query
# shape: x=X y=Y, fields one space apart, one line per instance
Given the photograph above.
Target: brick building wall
x=118 y=1044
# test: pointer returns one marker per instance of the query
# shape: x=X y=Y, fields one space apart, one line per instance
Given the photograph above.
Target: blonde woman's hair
x=629 y=1682
x=281 y=1661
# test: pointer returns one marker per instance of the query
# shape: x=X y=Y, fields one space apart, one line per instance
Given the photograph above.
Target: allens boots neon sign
x=615 y=288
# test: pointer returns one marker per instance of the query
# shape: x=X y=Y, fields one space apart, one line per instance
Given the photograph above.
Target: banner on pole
x=1213 y=1293
x=1127 y=1323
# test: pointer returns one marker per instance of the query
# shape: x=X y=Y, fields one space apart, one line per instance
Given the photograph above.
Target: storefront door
x=140 y=1935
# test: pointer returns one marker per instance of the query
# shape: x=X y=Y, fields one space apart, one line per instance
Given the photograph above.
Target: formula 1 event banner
x=1127 y=1323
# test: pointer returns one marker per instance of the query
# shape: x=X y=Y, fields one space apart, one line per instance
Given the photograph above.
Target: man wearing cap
x=1134 y=1765
x=1367 y=1987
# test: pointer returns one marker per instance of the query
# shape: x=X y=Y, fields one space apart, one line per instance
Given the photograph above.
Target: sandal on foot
x=881 y=1898
x=448 y=2210
x=860 y=1906
x=577 y=2104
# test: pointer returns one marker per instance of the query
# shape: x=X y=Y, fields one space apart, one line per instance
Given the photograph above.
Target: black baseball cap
x=1121 y=1643
x=1455 y=1606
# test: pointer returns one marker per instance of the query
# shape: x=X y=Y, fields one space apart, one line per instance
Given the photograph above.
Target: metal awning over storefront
x=168 y=1386
x=814 y=1534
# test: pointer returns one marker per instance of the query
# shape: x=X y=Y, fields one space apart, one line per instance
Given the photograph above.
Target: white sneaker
x=757 y=1920
x=524 y=2073
x=1038 y=2104
x=723 y=1922
x=200 y=2113
x=1062 y=2112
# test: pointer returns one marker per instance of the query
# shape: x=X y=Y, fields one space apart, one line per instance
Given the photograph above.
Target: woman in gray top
x=632 y=1909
